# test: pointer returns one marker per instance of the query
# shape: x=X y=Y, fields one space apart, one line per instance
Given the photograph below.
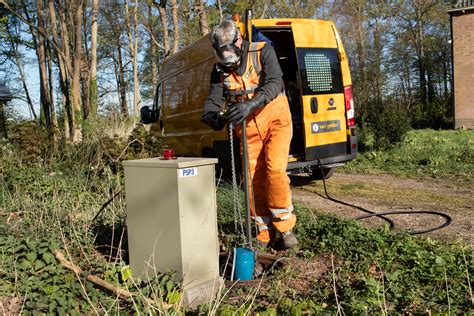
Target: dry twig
x=122 y=293
x=92 y=278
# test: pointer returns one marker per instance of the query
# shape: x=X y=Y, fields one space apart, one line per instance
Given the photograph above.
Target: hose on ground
x=383 y=215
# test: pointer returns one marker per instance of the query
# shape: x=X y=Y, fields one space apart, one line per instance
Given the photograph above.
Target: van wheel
x=317 y=173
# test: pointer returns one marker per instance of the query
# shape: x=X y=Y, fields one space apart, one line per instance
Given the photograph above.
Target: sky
x=9 y=73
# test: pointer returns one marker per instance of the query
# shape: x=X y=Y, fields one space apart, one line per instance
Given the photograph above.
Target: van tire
x=317 y=173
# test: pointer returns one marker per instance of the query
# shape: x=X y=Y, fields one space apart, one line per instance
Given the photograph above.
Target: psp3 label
x=188 y=172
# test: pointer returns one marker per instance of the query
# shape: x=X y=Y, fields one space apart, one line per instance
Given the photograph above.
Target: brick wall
x=463 y=57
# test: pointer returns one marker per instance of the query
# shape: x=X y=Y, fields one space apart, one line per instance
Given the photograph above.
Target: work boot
x=287 y=240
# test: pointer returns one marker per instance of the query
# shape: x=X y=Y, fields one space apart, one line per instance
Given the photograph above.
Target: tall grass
x=50 y=203
x=423 y=153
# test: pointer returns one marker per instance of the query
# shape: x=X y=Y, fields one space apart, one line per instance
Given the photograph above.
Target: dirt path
x=384 y=192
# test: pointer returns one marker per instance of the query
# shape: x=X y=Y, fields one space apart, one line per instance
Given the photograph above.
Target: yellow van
x=317 y=83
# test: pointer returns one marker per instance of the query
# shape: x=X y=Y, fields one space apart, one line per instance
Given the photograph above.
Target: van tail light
x=283 y=23
x=350 y=112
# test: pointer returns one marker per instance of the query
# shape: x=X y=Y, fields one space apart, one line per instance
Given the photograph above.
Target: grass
x=49 y=204
x=423 y=153
x=375 y=270
x=454 y=196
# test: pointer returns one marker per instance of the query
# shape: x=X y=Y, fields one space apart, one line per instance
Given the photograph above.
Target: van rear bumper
x=328 y=156
x=297 y=167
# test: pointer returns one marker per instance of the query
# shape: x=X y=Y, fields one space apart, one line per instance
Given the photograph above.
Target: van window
x=174 y=94
x=320 y=70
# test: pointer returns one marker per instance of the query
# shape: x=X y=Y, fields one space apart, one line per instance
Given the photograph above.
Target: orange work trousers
x=269 y=132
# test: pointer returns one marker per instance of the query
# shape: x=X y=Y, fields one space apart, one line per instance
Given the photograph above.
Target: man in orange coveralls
x=248 y=78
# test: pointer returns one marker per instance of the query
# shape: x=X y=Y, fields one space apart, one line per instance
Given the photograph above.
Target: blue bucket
x=244 y=264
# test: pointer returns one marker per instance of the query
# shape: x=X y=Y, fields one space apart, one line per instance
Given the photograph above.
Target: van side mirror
x=148 y=116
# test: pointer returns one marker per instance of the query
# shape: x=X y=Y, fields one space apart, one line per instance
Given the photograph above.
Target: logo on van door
x=324 y=127
x=331 y=104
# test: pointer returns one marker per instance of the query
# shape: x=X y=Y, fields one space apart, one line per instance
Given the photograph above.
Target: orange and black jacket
x=270 y=83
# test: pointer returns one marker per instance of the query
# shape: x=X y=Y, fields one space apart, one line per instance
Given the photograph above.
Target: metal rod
x=248 y=25
x=245 y=169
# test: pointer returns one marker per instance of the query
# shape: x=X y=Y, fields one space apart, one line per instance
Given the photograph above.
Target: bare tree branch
x=153 y=37
x=55 y=45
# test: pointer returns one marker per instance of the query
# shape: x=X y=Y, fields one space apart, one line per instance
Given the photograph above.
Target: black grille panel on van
x=320 y=70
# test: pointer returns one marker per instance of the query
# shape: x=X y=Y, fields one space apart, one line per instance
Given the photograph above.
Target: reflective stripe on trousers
x=263 y=222
x=269 y=133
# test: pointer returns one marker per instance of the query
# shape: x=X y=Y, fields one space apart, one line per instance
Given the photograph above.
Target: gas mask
x=228 y=55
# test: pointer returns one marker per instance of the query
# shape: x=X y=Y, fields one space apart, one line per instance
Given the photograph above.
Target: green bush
x=383 y=126
x=31 y=141
x=436 y=115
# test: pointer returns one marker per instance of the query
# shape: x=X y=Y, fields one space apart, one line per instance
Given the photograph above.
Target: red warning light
x=168 y=154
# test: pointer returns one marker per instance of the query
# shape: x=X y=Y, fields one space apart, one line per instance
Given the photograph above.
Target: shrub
x=436 y=115
x=383 y=126
x=31 y=141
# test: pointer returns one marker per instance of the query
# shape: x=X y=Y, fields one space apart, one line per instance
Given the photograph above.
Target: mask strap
x=216 y=46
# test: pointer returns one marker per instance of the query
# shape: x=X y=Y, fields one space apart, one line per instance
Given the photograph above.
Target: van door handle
x=314 y=105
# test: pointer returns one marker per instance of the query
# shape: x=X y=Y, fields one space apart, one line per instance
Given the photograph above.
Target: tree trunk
x=137 y=100
x=174 y=14
x=186 y=13
x=64 y=12
x=76 y=82
x=153 y=55
x=66 y=117
x=64 y=65
x=93 y=102
x=430 y=84
x=133 y=47
x=402 y=86
x=359 y=16
x=221 y=15
x=154 y=66
x=24 y=82
x=122 y=85
x=378 y=61
x=85 y=71
x=420 y=51
x=409 y=79
x=54 y=120
x=203 y=26
x=85 y=89
x=445 y=77
x=3 y=126
x=164 y=25
x=21 y=71
x=19 y=64
x=41 y=53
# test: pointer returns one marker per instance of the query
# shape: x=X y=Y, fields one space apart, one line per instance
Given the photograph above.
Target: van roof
x=193 y=54
x=306 y=32
x=281 y=22
x=311 y=32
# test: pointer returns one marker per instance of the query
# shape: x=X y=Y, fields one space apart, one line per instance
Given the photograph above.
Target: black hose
x=448 y=219
x=372 y=213
x=105 y=205
x=416 y=232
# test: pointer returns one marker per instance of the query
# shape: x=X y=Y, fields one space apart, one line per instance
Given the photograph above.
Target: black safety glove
x=213 y=119
x=239 y=112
